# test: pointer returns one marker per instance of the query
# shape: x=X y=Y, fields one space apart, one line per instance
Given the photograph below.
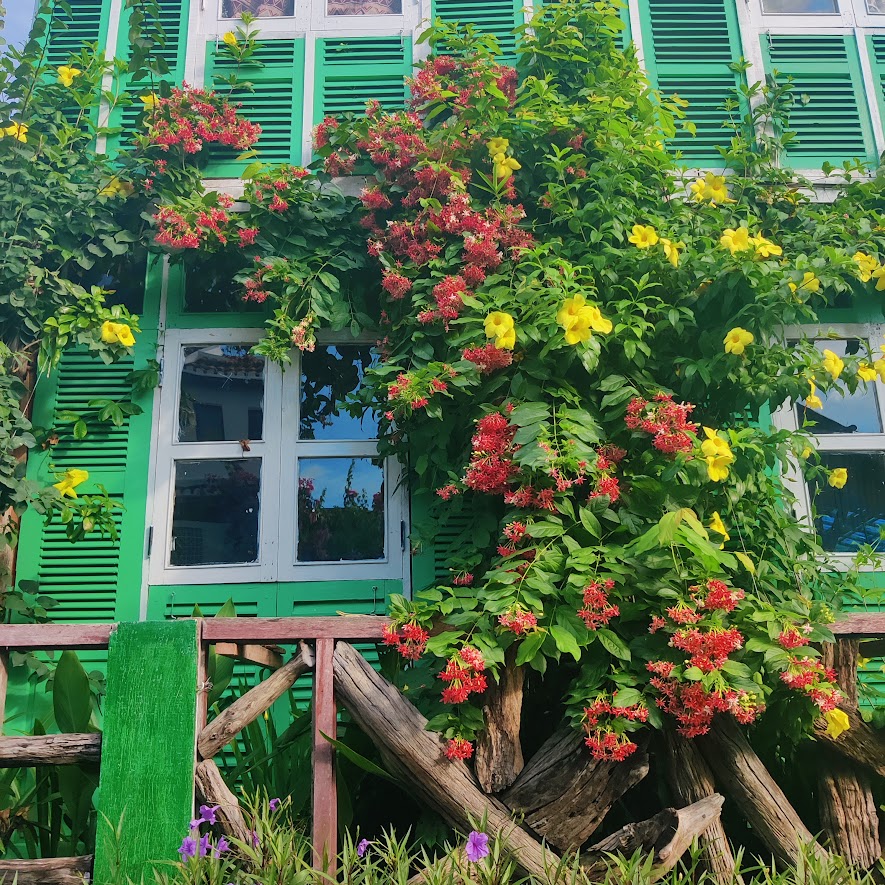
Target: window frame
x=785 y=418
x=277 y=514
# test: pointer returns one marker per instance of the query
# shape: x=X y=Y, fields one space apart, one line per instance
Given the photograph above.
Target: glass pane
x=856 y=412
x=340 y=509
x=365 y=7
x=222 y=394
x=800 y=6
x=328 y=376
x=855 y=514
x=210 y=286
x=876 y=7
x=261 y=8
x=215 y=514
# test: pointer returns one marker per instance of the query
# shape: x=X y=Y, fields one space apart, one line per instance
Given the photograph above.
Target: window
x=364 y=7
x=850 y=433
x=802 y=7
x=263 y=475
x=258 y=8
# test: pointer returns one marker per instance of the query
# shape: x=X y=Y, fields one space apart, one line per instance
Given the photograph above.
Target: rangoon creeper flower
x=671 y=250
x=809 y=282
x=67 y=75
x=711 y=187
x=643 y=236
x=837 y=722
x=832 y=364
x=737 y=340
x=813 y=401
x=500 y=326
x=718 y=455
x=866 y=265
x=71 y=479
x=838 y=477
x=735 y=239
x=718 y=526
x=18 y=131
x=230 y=38
x=765 y=248
x=117 y=333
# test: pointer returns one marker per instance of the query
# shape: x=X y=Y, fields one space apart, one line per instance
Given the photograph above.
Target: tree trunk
x=448 y=786
x=668 y=834
x=50 y=749
x=498 y=750
x=847 y=808
x=740 y=772
x=691 y=780
x=212 y=789
x=565 y=793
x=53 y=871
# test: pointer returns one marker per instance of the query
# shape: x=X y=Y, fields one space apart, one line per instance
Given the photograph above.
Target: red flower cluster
x=193 y=230
x=191 y=118
x=414 y=390
x=708 y=649
x=716 y=595
x=463 y=673
x=818 y=682
x=489 y=358
x=464 y=579
x=396 y=285
x=597 y=610
x=458 y=748
x=517 y=620
x=410 y=639
x=683 y=614
x=790 y=637
x=278 y=188
x=694 y=707
x=527 y=498
x=459 y=82
x=322 y=131
x=600 y=721
x=607 y=485
x=491 y=465
x=665 y=420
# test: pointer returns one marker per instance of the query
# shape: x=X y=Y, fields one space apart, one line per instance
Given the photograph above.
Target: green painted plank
x=148 y=751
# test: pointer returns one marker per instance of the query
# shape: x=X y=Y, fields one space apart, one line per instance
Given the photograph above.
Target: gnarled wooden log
x=498 y=749
x=49 y=749
x=691 y=781
x=565 y=793
x=669 y=834
x=741 y=774
x=212 y=789
x=400 y=730
x=861 y=743
x=228 y=724
x=52 y=871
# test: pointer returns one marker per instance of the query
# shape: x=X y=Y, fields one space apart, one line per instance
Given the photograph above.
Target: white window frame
x=279 y=453
x=785 y=418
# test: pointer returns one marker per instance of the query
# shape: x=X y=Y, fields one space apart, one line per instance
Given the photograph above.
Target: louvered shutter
x=829 y=115
x=94 y=579
x=276 y=101
x=352 y=71
x=173 y=18
x=67 y=33
x=497 y=17
x=688 y=47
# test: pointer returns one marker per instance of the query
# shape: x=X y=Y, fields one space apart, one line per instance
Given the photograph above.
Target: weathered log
x=49 y=749
x=230 y=722
x=565 y=793
x=861 y=743
x=53 y=871
x=498 y=748
x=264 y=655
x=212 y=790
x=691 y=781
x=400 y=731
x=668 y=834
x=847 y=808
x=741 y=774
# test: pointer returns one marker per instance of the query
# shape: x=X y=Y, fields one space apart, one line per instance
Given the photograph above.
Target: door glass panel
x=222 y=394
x=856 y=412
x=876 y=7
x=328 y=376
x=215 y=513
x=365 y=7
x=850 y=517
x=340 y=509
x=801 y=6
x=259 y=8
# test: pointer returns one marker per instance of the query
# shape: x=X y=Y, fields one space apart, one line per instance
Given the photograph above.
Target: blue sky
x=19 y=15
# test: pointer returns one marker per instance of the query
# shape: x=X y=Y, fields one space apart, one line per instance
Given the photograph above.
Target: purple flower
x=477 y=846
x=204 y=845
x=363 y=847
x=188 y=847
x=256 y=842
x=207 y=813
x=275 y=804
x=222 y=846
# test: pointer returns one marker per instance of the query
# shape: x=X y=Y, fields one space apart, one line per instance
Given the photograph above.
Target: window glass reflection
x=259 y=8
x=215 y=512
x=856 y=412
x=328 y=376
x=850 y=517
x=800 y=6
x=876 y=7
x=340 y=509
x=222 y=394
x=364 y=7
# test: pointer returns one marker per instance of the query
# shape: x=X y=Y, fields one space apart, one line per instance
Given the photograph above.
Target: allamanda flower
x=838 y=477
x=718 y=455
x=150 y=101
x=230 y=38
x=500 y=326
x=813 y=401
x=117 y=333
x=671 y=250
x=866 y=372
x=866 y=264
x=837 y=722
x=711 y=187
x=765 y=248
x=67 y=75
x=737 y=340
x=497 y=145
x=735 y=239
x=809 y=282
x=505 y=166
x=718 y=526
x=832 y=364
x=18 y=131
x=71 y=479
x=879 y=276
x=643 y=237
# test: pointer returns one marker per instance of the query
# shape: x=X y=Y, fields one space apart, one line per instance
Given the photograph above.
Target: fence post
x=148 y=760
x=325 y=793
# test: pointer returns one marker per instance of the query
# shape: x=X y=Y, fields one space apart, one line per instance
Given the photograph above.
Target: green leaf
x=613 y=644
x=529 y=413
x=71 y=700
x=590 y=522
x=746 y=562
x=80 y=430
x=566 y=642
x=529 y=647
x=359 y=760
x=627 y=697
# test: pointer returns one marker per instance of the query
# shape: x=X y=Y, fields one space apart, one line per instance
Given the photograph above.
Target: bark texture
x=50 y=749
x=54 y=871
x=212 y=789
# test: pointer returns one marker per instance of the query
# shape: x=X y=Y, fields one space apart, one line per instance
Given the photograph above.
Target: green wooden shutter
x=688 y=47
x=830 y=115
x=173 y=18
x=87 y=24
x=95 y=579
x=497 y=17
x=276 y=101
x=876 y=51
x=352 y=71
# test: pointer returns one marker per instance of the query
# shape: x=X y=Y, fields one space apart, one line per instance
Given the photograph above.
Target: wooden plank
x=55 y=637
x=860 y=625
x=148 y=763
x=325 y=791
x=53 y=871
x=263 y=655
x=231 y=721
x=50 y=749
x=4 y=686
x=264 y=630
